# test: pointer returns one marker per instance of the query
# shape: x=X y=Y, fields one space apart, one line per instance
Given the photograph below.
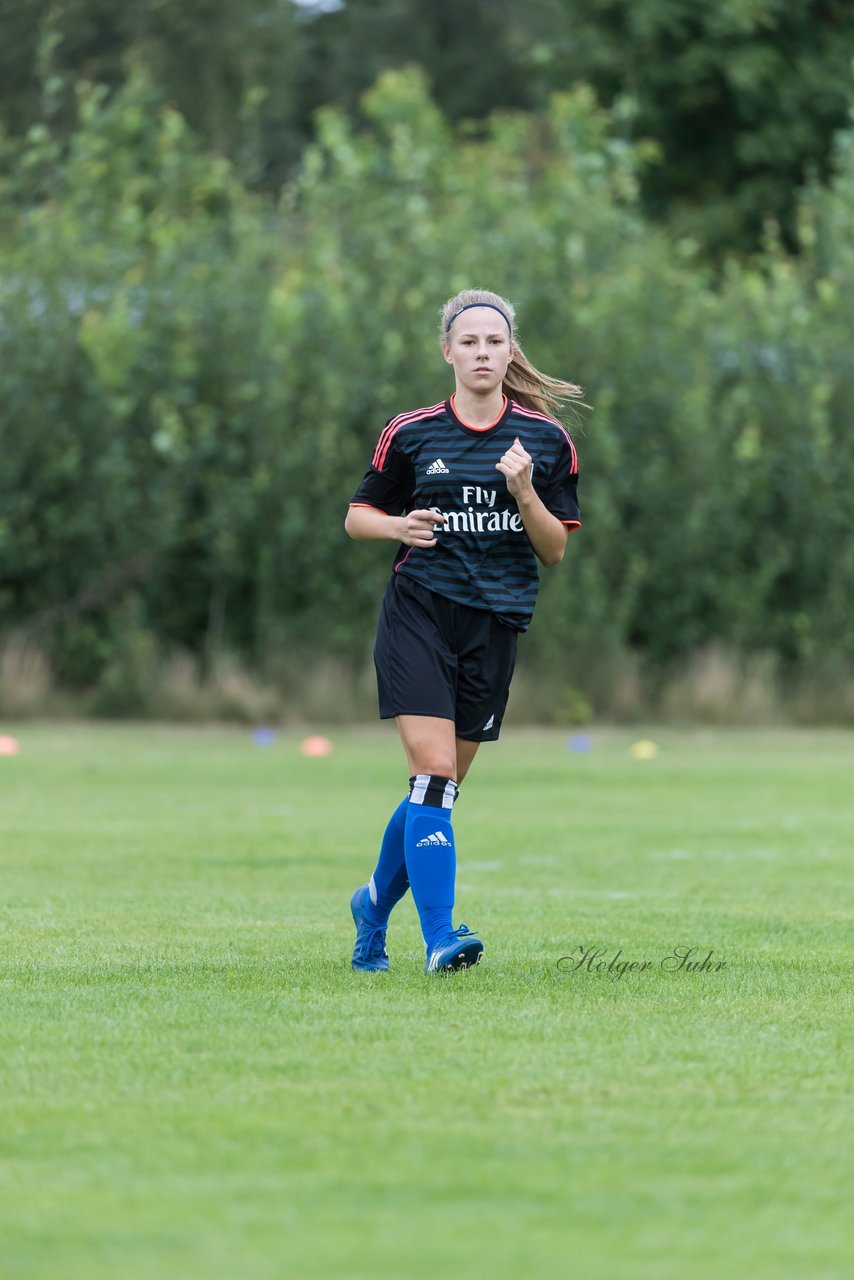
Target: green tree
x=129 y=339
x=191 y=383
x=230 y=68
x=743 y=96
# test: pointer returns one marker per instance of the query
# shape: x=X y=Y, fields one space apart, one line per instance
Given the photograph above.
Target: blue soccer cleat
x=369 y=952
x=461 y=949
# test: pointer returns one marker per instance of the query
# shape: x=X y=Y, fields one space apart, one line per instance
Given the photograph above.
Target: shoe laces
x=370 y=943
x=462 y=931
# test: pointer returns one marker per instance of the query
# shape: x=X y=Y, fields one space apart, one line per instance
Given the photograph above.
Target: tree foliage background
x=226 y=231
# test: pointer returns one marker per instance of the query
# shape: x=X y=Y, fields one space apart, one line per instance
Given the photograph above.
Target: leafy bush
x=191 y=382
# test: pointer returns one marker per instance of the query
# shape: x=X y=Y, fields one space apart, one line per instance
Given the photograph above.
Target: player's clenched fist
x=516 y=465
x=418 y=526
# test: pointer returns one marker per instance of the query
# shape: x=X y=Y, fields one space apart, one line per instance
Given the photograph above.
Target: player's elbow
x=552 y=556
x=552 y=552
x=350 y=521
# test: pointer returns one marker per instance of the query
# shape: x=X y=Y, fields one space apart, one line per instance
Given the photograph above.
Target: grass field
x=194 y=1084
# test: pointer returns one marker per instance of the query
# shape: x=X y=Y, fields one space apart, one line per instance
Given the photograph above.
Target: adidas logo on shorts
x=438 y=468
x=438 y=837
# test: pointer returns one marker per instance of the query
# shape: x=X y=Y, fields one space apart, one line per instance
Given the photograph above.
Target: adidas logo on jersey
x=438 y=837
x=490 y=722
x=438 y=468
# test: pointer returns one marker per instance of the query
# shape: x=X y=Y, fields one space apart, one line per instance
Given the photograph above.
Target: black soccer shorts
x=435 y=657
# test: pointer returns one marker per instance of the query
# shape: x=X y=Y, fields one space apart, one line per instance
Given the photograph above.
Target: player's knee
x=437 y=766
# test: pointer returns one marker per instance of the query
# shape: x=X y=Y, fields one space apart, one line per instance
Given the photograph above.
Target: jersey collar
x=478 y=431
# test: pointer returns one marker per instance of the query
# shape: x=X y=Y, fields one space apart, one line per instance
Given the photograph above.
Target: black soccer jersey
x=430 y=459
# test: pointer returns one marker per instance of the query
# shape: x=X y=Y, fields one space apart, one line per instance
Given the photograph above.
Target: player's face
x=480 y=349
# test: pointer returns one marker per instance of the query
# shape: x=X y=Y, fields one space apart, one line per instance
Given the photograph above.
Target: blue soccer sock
x=431 y=858
x=389 y=882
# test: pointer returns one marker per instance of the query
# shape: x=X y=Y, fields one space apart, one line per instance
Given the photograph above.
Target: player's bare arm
x=545 y=532
x=413 y=530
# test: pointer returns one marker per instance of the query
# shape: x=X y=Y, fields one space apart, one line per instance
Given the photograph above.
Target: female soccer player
x=474 y=490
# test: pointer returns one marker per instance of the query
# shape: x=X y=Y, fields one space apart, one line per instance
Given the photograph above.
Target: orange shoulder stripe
x=402 y=420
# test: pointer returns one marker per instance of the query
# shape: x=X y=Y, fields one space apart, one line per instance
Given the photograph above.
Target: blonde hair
x=522 y=382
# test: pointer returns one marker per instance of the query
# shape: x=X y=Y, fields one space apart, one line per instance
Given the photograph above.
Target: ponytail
x=535 y=390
